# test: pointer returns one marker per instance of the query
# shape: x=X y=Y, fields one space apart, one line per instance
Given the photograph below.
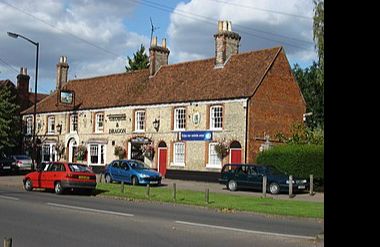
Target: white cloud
x=90 y=33
x=259 y=29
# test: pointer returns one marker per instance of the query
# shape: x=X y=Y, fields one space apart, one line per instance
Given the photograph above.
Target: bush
x=296 y=160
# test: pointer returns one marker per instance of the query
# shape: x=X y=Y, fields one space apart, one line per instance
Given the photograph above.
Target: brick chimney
x=158 y=56
x=23 y=88
x=23 y=81
x=62 y=72
x=226 y=43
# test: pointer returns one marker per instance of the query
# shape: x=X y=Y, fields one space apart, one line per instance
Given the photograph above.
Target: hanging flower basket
x=119 y=152
x=81 y=152
x=148 y=151
x=222 y=149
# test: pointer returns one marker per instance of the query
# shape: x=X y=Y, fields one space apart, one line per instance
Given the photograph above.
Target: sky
x=97 y=36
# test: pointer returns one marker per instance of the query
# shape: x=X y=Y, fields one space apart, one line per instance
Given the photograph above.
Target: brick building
x=180 y=110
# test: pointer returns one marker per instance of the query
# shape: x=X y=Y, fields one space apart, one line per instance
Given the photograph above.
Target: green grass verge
x=222 y=201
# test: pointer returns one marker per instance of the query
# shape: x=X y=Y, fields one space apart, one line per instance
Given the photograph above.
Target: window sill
x=177 y=165
x=208 y=166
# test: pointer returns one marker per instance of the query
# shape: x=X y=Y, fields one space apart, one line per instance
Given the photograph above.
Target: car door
x=114 y=171
x=254 y=179
x=51 y=175
x=43 y=175
x=241 y=176
x=124 y=172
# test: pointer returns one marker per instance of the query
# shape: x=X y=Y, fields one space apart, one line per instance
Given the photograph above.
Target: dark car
x=7 y=164
x=250 y=176
x=61 y=176
x=131 y=171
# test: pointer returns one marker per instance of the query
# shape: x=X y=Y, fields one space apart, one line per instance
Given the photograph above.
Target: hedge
x=296 y=160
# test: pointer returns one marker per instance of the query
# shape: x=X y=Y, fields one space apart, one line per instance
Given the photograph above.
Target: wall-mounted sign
x=66 y=97
x=117 y=117
x=117 y=131
x=196 y=118
x=196 y=136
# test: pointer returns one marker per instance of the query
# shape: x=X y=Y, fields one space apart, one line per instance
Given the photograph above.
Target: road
x=41 y=218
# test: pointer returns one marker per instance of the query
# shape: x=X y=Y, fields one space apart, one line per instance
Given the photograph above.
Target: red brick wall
x=277 y=104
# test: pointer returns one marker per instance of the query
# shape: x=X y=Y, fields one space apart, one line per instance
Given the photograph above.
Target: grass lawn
x=220 y=201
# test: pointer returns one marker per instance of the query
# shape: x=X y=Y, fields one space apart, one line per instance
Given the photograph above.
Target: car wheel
x=135 y=180
x=108 y=179
x=28 y=185
x=232 y=185
x=274 y=188
x=58 y=188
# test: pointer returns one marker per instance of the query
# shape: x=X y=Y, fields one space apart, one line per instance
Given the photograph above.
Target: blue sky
x=97 y=36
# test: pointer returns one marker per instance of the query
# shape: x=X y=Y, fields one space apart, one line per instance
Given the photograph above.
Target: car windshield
x=270 y=170
x=138 y=165
x=22 y=157
x=79 y=168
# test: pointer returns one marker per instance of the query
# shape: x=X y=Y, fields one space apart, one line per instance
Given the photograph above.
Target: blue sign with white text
x=196 y=136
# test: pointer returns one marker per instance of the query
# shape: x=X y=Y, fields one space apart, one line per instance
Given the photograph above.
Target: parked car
x=22 y=162
x=61 y=176
x=250 y=176
x=7 y=164
x=131 y=171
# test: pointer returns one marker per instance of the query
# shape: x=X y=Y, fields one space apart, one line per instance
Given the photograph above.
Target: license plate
x=301 y=187
x=83 y=177
x=6 y=167
x=153 y=182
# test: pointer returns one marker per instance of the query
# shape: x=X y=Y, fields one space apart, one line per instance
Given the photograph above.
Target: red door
x=235 y=156
x=162 y=159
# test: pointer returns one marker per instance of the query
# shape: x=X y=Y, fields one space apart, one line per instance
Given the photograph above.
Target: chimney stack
x=23 y=87
x=226 y=43
x=62 y=72
x=158 y=56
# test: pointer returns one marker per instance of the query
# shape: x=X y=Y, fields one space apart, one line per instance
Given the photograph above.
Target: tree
x=318 y=30
x=140 y=60
x=9 y=120
x=313 y=93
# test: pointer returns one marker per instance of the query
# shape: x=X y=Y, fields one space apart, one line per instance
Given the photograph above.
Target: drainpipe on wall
x=246 y=130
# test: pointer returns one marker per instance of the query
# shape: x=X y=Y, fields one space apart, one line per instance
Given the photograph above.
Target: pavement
x=16 y=181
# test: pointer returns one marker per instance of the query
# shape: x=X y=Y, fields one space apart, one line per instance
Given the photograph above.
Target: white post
x=264 y=186
x=290 y=186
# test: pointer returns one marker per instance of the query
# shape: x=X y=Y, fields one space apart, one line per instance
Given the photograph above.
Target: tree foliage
x=140 y=60
x=318 y=30
x=9 y=120
x=303 y=135
x=313 y=93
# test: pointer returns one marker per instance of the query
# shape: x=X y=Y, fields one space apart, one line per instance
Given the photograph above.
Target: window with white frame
x=48 y=152
x=216 y=117
x=73 y=123
x=179 y=154
x=179 y=118
x=99 y=122
x=213 y=159
x=97 y=154
x=29 y=125
x=139 y=121
x=51 y=125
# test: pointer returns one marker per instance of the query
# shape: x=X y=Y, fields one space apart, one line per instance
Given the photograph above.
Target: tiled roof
x=182 y=82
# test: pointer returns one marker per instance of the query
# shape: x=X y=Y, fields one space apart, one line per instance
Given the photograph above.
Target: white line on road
x=246 y=231
x=10 y=198
x=90 y=209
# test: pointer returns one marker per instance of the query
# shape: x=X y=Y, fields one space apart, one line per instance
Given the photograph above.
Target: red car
x=61 y=176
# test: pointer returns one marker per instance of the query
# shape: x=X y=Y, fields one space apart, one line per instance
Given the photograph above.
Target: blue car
x=131 y=171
